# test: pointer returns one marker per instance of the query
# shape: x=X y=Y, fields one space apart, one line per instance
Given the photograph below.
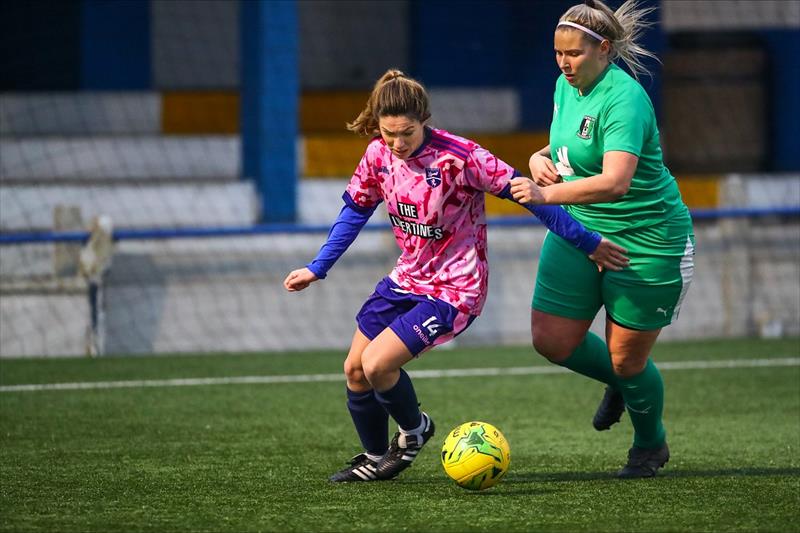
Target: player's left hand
x=525 y=191
x=609 y=256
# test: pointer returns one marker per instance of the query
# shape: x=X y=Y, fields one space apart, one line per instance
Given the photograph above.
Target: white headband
x=583 y=29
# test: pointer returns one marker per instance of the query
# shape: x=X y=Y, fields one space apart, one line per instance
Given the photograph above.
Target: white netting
x=201 y=295
x=168 y=157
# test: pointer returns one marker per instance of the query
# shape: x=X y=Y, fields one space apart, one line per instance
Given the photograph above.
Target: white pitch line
x=417 y=374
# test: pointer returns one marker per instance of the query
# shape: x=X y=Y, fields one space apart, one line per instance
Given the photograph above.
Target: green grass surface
x=257 y=457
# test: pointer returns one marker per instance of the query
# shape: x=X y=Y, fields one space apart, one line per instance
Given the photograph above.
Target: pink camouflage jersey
x=436 y=208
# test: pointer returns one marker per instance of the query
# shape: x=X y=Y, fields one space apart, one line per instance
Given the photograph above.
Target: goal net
x=132 y=122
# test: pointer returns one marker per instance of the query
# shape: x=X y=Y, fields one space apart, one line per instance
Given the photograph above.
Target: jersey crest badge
x=586 y=127
x=433 y=177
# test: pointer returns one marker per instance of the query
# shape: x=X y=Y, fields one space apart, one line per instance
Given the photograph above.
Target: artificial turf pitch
x=256 y=457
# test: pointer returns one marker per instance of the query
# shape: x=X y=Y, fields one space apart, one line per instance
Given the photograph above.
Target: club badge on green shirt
x=586 y=127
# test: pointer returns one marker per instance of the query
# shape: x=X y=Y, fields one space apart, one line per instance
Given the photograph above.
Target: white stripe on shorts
x=687 y=271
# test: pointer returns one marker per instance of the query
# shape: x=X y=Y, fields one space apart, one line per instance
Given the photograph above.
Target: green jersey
x=615 y=115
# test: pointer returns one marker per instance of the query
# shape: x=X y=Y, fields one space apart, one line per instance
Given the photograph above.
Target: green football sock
x=591 y=359
x=644 y=400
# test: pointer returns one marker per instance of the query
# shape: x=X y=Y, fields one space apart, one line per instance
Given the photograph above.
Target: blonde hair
x=394 y=94
x=622 y=28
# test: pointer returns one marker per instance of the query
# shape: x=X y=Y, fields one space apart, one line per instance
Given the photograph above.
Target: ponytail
x=622 y=28
x=394 y=94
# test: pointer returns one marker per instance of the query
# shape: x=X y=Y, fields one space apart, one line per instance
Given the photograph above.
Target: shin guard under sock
x=371 y=421
x=400 y=402
x=644 y=400
x=591 y=359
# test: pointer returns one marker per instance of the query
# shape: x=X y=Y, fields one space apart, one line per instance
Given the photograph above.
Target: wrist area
x=317 y=269
x=546 y=192
x=589 y=242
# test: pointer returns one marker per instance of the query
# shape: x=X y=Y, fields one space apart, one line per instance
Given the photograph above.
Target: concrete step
x=120 y=157
x=26 y=208
x=464 y=110
x=80 y=113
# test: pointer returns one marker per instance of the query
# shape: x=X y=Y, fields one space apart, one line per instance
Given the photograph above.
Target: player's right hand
x=543 y=171
x=299 y=279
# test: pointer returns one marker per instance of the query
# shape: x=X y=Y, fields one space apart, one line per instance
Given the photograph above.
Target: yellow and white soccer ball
x=476 y=455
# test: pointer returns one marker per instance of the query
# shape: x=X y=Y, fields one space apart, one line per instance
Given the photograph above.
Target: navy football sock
x=371 y=421
x=401 y=402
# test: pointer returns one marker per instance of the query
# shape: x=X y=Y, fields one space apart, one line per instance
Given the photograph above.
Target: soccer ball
x=476 y=455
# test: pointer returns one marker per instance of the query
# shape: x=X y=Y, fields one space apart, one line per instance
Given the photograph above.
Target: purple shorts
x=421 y=322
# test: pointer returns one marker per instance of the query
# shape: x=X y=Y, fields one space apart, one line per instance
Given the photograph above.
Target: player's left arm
x=558 y=221
x=612 y=184
x=487 y=172
x=603 y=252
x=626 y=122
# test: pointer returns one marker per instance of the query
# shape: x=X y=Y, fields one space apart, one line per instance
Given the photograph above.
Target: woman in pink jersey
x=433 y=184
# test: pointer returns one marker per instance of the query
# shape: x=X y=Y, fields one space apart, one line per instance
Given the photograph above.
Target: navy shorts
x=421 y=322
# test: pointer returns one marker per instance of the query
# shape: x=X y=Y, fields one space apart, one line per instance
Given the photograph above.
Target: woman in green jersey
x=604 y=163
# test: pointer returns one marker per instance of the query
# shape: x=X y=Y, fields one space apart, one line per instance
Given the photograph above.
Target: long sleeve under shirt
x=435 y=202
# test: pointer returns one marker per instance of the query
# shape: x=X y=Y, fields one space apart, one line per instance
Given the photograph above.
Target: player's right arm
x=360 y=201
x=344 y=231
x=543 y=171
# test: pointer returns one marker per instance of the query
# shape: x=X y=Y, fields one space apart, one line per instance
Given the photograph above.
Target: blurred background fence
x=211 y=134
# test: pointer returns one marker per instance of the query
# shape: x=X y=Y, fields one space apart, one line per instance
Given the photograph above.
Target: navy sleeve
x=561 y=223
x=344 y=231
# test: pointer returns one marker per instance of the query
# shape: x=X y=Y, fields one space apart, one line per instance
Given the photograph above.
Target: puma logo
x=562 y=165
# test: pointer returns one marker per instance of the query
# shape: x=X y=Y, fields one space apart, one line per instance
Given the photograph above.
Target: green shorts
x=644 y=296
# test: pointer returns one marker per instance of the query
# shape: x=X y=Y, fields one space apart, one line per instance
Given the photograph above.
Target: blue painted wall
x=115 y=44
x=39 y=45
x=784 y=104
x=74 y=44
x=106 y=45
x=501 y=43
x=457 y=44
x=269 y=89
